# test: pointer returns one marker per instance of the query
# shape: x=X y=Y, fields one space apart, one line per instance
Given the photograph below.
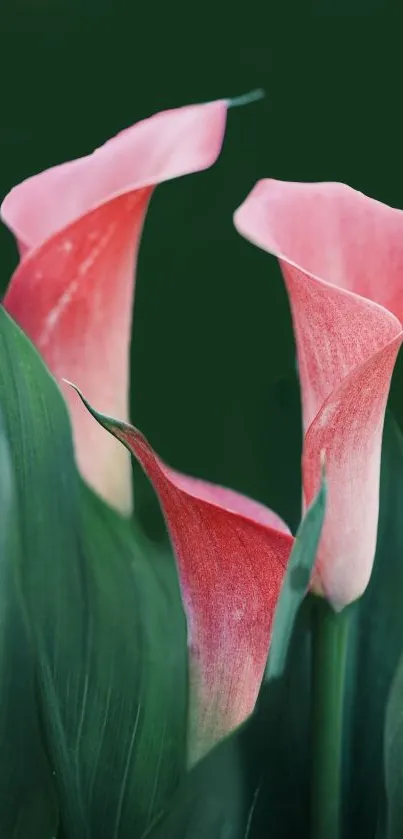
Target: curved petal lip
x=221 y=498
x=227 y=499
x=164 y=146
x=249 y=221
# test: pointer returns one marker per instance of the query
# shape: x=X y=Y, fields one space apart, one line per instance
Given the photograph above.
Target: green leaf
x=139 y=632
x=255 y=783
x=375 y=646
x=296 y=582
x=106 y=625
x=394 y=757
x=28 y=807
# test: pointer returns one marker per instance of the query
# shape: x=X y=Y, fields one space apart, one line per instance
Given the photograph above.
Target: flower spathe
x=78 y=228
x=232 y=553
x=341 y=256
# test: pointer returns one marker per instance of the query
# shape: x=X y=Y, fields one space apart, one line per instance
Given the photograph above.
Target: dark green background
x=214 y=384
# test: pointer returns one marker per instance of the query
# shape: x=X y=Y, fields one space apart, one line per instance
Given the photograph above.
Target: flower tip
x=78 y=392
x=71 y=384
x=246 y=98
x=96 y=414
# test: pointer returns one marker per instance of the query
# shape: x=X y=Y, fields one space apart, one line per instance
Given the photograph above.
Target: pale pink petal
x=79 y=227
x=341 y=255
x=231 y=568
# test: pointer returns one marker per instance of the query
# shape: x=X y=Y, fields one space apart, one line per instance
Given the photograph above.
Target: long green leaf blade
x=106 y=625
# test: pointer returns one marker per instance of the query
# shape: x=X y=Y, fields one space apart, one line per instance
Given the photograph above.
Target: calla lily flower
x=232 y=553
x=78 y=227
x=341 y=256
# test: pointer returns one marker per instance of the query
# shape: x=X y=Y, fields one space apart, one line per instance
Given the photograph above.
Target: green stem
x=328 y=670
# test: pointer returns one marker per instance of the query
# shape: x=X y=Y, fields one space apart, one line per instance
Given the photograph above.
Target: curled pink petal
x=78 y=226
x=341 y=255
x=228 y=499
x=160 y=148
x=231 y=563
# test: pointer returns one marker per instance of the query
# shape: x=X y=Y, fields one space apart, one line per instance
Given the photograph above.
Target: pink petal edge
x=227 y=499
x=162 y=147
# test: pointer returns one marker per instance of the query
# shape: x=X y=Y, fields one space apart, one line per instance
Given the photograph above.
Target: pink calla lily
x=78 y=227
x=232 y=553
x=341 y=255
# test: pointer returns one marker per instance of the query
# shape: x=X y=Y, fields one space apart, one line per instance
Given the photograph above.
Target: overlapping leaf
x=375 y=642
x=375 y=755
x=107 y=633
x=27 y=802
